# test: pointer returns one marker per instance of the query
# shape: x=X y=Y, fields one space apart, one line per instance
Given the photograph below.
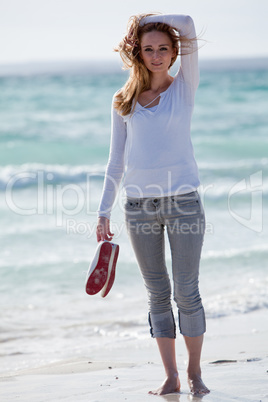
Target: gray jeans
x=184 y=219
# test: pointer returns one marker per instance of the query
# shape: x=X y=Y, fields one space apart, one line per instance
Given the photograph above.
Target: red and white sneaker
x=101 y=272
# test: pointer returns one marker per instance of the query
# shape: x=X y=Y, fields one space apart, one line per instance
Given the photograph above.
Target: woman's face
x=156 y=51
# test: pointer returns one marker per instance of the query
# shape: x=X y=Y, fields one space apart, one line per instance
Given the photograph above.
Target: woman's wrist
x=101 y=217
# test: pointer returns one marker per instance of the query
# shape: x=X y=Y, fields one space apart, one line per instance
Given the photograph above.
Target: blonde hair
x=129 y=49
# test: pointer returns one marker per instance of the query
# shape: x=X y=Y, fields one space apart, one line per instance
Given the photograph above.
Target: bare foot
x=169 y=386
x=197 y=387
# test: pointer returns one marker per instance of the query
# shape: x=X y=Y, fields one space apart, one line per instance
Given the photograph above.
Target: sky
x=81 y=30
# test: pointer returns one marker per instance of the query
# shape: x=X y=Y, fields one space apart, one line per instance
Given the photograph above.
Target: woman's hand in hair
x=103 y=229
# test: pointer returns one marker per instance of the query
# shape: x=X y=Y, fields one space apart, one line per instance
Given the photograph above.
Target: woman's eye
x=162 y=49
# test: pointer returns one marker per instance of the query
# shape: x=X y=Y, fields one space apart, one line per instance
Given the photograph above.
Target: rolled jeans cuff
x=192 y=324
x=162 y=325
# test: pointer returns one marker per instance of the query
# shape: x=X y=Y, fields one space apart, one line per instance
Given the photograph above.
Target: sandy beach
x=234 y=364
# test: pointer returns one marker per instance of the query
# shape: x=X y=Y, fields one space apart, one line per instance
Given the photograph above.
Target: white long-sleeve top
x=152 y=147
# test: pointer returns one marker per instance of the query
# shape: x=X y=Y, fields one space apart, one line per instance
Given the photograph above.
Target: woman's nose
x=155 y=54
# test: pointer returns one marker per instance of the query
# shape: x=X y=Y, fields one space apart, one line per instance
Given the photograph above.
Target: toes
x=202 y=391
x=153 y=393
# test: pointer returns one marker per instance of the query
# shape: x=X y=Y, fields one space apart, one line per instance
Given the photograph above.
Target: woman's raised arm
x=189 y=50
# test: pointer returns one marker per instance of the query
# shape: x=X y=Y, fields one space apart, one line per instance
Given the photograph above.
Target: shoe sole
x=98 y=277
x=111 y=271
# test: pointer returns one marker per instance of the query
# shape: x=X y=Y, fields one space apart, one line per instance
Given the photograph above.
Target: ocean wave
x=223 y=166
x=217 y=183
x=31 y=174
x=234 y=253
x=250 y=296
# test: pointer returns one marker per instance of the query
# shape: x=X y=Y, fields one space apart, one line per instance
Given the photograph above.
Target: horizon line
x=89 y=65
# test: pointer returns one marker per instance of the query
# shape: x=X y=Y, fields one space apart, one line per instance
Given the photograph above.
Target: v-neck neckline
x=161 y=94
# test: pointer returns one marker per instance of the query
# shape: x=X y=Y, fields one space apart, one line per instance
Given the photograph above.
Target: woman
x=151 y=145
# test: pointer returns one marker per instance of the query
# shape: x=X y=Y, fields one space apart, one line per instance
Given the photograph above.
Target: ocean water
x=54 y=133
